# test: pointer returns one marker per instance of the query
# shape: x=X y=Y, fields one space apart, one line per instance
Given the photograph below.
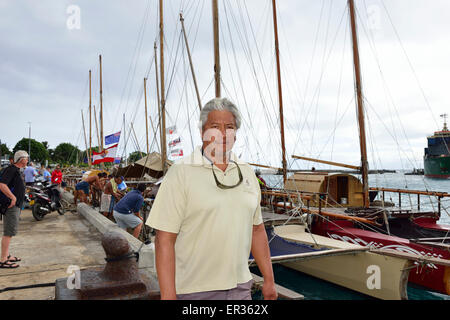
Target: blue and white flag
x=112 y=138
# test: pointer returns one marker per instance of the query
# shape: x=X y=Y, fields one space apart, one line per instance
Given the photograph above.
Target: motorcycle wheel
x=61 y=210
x=36 y=210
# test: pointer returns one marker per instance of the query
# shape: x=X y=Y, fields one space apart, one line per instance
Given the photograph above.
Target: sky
x=49 y=46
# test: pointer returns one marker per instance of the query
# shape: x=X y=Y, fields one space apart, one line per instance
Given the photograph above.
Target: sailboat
x=328 y=197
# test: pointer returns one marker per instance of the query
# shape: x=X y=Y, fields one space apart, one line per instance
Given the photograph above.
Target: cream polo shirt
x=214 y=225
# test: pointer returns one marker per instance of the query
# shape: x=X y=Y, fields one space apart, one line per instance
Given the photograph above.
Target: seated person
x=110 y=196
x=126 y=211
x=82 y=188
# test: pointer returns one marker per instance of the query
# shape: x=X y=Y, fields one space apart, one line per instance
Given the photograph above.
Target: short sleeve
x=169 y=207
x=257 y=215
x=8 y=175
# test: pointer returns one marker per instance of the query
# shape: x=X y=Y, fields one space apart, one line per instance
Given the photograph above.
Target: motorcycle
x=45 y=200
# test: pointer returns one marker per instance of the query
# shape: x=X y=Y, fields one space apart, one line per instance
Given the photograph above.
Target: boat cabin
x=336 y=188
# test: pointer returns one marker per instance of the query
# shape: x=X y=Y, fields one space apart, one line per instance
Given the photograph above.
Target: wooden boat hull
x=431 y=276
x=373 y=274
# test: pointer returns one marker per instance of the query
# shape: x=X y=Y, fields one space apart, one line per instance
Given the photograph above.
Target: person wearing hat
x=12 y=193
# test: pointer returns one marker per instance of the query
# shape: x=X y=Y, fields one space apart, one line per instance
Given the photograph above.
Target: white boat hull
x=373 y=274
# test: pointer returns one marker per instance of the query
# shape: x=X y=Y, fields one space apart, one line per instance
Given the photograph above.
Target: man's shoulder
x=9 y=173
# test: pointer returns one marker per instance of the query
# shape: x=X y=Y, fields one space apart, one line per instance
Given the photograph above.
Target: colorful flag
x=117 y=160
x=171 y=130
x=112 y=138
x=176 y=153
x=107 y=155
x=174 y=142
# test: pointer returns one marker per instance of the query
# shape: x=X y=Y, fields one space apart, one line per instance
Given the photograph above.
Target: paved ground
x=47 y=249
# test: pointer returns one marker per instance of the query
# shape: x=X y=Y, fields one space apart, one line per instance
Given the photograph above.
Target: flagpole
x=90 y=122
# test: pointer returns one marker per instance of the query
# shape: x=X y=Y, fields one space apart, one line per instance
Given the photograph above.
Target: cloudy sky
x=49 y=46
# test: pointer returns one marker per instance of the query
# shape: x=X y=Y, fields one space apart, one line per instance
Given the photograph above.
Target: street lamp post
x=29 y=141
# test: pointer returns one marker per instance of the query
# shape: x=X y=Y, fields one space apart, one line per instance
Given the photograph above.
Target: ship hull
x=433 y=277
x=437 y=167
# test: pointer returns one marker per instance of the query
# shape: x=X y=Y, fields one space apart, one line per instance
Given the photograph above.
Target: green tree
x=67 y=153
x=135 y=156
x=37 y=149
x=4 y=149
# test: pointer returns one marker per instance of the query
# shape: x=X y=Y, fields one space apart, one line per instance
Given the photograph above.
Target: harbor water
x=316 y=289
x=399 y=180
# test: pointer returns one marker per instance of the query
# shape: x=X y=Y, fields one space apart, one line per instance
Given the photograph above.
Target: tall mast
x=163 y=98
x=280 y=92
x=190 y=62
x=84 y=133
x=146 y=119
x=158 y=98
x=101 y=105
x=360 y=101
x=215 y=9
x=125 y=140
x=90 y=122
x=96 y=128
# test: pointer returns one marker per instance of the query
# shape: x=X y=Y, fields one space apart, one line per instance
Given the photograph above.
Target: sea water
x=399 y=180
x=316 y=289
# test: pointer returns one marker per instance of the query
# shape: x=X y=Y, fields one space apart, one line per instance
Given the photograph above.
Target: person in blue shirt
x=46 y=174
x=126 y=211
x=30 y=172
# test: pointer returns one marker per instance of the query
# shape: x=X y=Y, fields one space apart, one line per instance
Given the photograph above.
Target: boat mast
x=163 y=99
x=444 y=116
x=101 y=105
x=190 y=62
x=90 y=122
x=84 y=133
x=215 y=9
x=280 y=92
x=360 y=101
x=157 y=95
x=125 y=141
x=96 y=128
x=146 y=119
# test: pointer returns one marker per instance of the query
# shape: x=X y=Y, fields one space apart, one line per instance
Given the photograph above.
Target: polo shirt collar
x=198 y=159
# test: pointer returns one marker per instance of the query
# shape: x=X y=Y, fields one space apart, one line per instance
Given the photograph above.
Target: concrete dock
x=47 y=248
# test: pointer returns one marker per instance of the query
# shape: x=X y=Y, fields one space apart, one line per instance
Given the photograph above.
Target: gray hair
x=19 y=155
x=219 y=104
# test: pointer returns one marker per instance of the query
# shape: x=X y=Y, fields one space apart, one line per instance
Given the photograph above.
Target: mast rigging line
x=411 y=66
x=388 y=93
x=317 y=91
x=134 y=61
x=246 y=46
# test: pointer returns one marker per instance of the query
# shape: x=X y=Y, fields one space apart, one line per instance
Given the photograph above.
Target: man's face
x=57 y=167
x=219 y=133
x=22 y=163
x=118 y=180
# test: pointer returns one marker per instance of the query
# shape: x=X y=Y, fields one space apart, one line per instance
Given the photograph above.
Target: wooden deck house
x=336 y=188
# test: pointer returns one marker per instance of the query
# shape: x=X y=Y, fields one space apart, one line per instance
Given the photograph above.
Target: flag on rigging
x=112 y=138
x=107 y=155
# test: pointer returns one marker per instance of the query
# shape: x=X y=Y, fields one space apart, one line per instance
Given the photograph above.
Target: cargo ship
x=437 y=156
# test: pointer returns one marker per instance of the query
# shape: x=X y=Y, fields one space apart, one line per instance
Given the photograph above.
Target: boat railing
x=439 y=195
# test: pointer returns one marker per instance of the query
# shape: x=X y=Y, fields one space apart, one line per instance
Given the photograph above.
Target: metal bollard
x=119 y=280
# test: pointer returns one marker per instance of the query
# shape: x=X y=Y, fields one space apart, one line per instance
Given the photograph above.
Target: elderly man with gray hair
x=208 y=218
x=12 y=193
